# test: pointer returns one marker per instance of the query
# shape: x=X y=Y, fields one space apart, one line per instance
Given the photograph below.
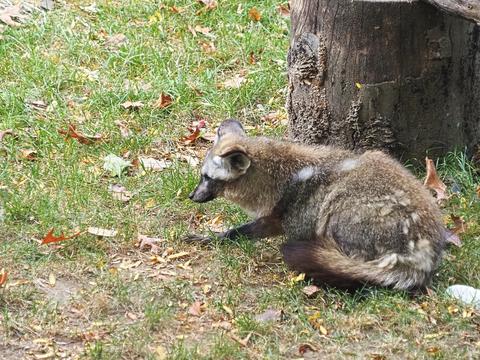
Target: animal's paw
x=197 y=239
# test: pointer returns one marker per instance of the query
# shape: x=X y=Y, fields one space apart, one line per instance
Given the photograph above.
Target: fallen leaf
x=284 y=9
x=3 y=277
x=143 y=241
x=52 y=280
x=190 y=160
x=194 y=133
x=317 y=323
x=252 y=60
x=460 y=226
x=124 y=130
x=235 y=82
x=477 y=190
x=72 y=133
x=132 y=105
x=5 y=132
x=115 y=41
x=298 y=278
x=177 y=10
x=101 y=232
x=50 y=238
x=310 y=290
x=160 y=353
x=432 y=181
x=254 y=14
x=228 y=310
x=304 y=348
x=38 y=105
x=178 y=255
x=195 y=309
x=28 y=154
x=163 y=101
x=203 y=30
x=153 y=164
x=120 y=193
x=269 y=315
x=8 y=14
x=208 y=4
x=116 y=165
x=208 y=47
x=244 y=341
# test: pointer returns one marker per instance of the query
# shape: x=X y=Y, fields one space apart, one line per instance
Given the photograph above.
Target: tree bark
x=468 y=9
x=400 y=76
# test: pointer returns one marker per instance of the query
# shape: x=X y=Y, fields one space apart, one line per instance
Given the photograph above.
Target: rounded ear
x=230 y=126
x=236 y=157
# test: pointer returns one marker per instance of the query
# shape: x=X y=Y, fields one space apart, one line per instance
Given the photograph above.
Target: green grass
x=112 y=300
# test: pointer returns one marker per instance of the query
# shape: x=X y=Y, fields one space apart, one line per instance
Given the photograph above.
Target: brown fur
x=348 y=218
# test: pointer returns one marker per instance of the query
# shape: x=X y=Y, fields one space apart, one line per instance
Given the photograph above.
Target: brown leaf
x=124 y=130
x=284 y=9
x=208 y=4
x=5 y=132
x=304 y=348
x=101 y=232
x=152 y=242
x=477 y=189
x=8 y=14
x=38 y=105
x=3 y=277
x=310 y=290
x=153 y=164
x=50 y=238
x=202 y=30
x=177 y=10
x=269 y=315
x=132 y=105
x=195 y=309
x=432 y=181
x=460 y=226
x=163 y=101
x=208 y=47
x=115 y=41
x=72 y=133
x=244 y=341
x=28 y=154
x=251 y=58
x=235 y=82
x=254 y=14
x=178 y=255
x=120 y=193
x=194 y=133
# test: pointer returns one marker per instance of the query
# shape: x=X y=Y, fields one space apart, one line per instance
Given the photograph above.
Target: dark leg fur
x=254 y=230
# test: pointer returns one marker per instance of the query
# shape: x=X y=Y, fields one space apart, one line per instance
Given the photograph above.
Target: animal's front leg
x=255 y=230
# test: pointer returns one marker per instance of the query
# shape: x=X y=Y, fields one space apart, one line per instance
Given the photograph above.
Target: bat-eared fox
x=349 y=219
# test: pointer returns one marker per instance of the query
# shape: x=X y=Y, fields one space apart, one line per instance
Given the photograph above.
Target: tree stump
x=397 y=75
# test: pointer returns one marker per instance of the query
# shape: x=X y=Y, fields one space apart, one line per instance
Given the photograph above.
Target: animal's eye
x=206 y=177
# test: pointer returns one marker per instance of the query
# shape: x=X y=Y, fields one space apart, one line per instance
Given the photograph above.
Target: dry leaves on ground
x=163 y=101
x=101 y=232
x=132 y=105
x=72 y=133
x=120 y=193
x=3 y=277
x=433 y=182
x=146 y=241
x=5 y=132
x=50 y=238
x=254 y=14
x=235 y=82
x=12 y=15
x=115 y=41
x=459 y=227
x=195 y=133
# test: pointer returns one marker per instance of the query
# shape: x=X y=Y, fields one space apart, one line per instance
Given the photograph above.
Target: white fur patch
x=348 y=164
x=305 y=173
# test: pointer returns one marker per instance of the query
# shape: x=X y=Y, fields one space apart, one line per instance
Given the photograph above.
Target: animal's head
x=225 y=163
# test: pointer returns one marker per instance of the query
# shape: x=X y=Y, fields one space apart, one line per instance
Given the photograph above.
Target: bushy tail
x=325 y=263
